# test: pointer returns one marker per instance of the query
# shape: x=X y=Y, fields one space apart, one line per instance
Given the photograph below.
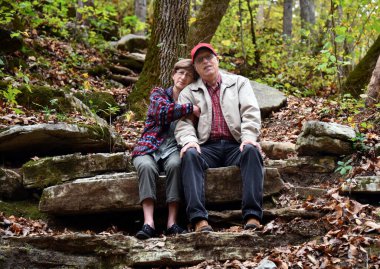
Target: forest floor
x=352 y=226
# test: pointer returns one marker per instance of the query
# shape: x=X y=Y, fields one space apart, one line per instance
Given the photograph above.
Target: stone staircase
x=100 y=183
x=84 y=182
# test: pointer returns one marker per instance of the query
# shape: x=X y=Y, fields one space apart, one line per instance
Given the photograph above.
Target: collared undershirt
x=219 y=127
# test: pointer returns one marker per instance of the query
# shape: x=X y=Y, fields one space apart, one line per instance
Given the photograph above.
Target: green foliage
x=344 y=167
x=132 y=24
x=47 y=110
x=111 y=110
x=105 y=20
x=10 y=98
x=10 y=95
x=359 y=142
x=313 y=61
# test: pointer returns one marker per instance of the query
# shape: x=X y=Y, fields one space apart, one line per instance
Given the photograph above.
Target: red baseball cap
x=201 y=46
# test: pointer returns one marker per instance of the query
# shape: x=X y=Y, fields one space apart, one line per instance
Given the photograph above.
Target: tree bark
x=167 y=44
x=82 y=4
x=140 y=12
x=260 y=16
x=307 y=13
x=373 y=93
x=287 y=19
x=359 y=78
x=207 y=21
x=252 y=28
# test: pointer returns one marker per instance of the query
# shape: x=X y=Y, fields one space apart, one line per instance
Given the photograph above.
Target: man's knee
x=250 y=149
x=190 y=154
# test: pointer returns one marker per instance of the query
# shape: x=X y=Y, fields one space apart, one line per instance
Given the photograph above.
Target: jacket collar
x=227 y=81
x=169 y=92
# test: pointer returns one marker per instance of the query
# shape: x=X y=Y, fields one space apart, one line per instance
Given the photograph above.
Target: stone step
x=116 y=251
x=119 y=191
x=49 y=171
x=52 y=139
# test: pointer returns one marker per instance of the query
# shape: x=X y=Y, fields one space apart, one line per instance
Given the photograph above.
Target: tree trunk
x=260 y=16
x=207 y=21
x=82 y=4
x=252 y=28
x=359 y=78
x=167 y=44
x=195 y=6
x=307 y=13
x=140 y=12
x=373 y=93
x=287 y=19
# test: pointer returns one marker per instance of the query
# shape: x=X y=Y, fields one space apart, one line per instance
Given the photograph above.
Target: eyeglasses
x=208 y=57
x=185 y=73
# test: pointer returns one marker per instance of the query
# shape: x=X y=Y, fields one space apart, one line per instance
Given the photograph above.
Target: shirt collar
x=218 y=82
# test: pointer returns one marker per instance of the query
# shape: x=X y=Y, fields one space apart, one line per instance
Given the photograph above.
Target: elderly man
x=225 y=134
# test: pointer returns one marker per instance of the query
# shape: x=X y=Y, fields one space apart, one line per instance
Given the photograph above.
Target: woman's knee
x=145 y=166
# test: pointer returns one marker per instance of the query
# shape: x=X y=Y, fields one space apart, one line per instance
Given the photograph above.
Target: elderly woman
x=157 y=149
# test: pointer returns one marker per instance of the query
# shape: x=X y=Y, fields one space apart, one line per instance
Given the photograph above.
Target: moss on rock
x=100 y=102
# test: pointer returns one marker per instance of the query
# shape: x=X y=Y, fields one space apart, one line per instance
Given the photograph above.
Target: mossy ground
x=25 y=209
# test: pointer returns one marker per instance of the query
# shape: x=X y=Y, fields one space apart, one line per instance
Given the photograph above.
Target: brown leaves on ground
x=351 y=228
x=19 y=226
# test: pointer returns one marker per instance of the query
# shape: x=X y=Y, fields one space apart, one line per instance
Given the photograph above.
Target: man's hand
x=190 y=145
x=254 y=143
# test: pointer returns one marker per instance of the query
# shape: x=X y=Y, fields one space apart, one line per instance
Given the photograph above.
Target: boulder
x=269 y=99
x=50 y=171
x=377 y=149
x=278 y=150
x=134 y=61
x=321 y=138
x=9 y=44
x=132 y=42
x=119 y=191
x=11 y=185
x=21 y=142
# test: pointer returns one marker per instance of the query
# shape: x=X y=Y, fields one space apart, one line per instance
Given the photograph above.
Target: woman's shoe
x=175 y=229
x=146 y=232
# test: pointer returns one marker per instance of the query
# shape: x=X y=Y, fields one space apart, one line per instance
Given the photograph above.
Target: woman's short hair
x=187 y=65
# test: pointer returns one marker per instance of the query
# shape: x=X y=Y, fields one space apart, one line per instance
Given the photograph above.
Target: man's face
x=206 y=64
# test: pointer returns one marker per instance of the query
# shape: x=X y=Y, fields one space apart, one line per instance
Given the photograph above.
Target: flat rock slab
x=364 y=184
x=56 y=170
x=306 y=164
x=278 y=150
x=115 y=251
x=119 y=191
x=50 y=139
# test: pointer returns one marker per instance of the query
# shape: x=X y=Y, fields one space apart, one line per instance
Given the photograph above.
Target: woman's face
x=182 y=78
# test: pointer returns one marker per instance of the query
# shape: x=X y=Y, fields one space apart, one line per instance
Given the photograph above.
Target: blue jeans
x=220 y=154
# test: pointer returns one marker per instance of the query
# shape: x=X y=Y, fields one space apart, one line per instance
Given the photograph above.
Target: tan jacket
x=239 y=106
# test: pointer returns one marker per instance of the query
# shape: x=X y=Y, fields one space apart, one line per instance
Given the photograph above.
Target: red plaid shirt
x=219 y=127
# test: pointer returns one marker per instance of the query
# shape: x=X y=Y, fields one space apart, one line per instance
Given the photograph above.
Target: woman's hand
x=196 y=111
